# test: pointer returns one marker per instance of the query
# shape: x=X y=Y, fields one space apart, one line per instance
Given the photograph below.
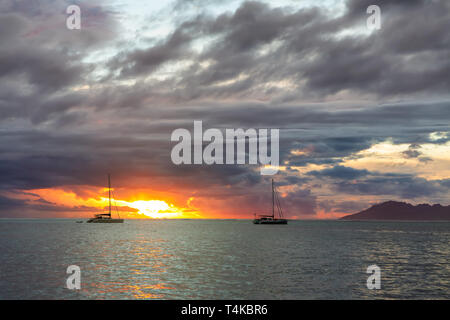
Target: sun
x=155 y=208
x=149 y=207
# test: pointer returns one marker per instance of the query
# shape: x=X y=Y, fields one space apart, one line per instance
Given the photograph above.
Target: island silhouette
x=394 y=210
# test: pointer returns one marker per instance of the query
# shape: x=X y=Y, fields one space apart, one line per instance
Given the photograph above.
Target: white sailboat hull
x=274 y=221
x=95 y=220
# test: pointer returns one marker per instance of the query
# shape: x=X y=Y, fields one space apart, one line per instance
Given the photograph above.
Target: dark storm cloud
x=38 y=160
x=403 y=186
x=327 y=150
x=40 y=59
x=144 y=62
x=325 y=135
x=388 y=62
x=49 y=70
x=340 y=172
x=72 y=156
x=414 y=152
x=363 y=182
x=304 y=46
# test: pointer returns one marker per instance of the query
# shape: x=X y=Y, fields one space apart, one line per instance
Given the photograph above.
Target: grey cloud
x=394 y=185
x=340 y=172
x=144 y=139
x=145 y=61
x=413 y=151
x=53 y=136
x=303 y=47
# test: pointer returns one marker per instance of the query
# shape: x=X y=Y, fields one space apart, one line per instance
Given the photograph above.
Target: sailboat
x=271 y=219
x=106 y=217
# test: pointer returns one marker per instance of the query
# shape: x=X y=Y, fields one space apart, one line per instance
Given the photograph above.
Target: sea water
x=223 y=259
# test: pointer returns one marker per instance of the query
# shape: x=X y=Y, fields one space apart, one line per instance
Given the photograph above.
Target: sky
x=363 y=114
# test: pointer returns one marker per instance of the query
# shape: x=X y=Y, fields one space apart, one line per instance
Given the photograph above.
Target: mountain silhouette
x=393 y=210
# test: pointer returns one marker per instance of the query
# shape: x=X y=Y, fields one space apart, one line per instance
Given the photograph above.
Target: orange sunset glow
x=143 y=208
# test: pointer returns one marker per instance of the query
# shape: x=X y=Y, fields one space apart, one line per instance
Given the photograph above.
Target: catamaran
x=271 y=219
x=106 y=217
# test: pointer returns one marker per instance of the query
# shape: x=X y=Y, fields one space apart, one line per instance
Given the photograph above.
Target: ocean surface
x=224 y=259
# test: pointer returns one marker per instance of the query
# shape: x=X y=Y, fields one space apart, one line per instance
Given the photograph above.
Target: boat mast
x=109 y=189
x=273 y=202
